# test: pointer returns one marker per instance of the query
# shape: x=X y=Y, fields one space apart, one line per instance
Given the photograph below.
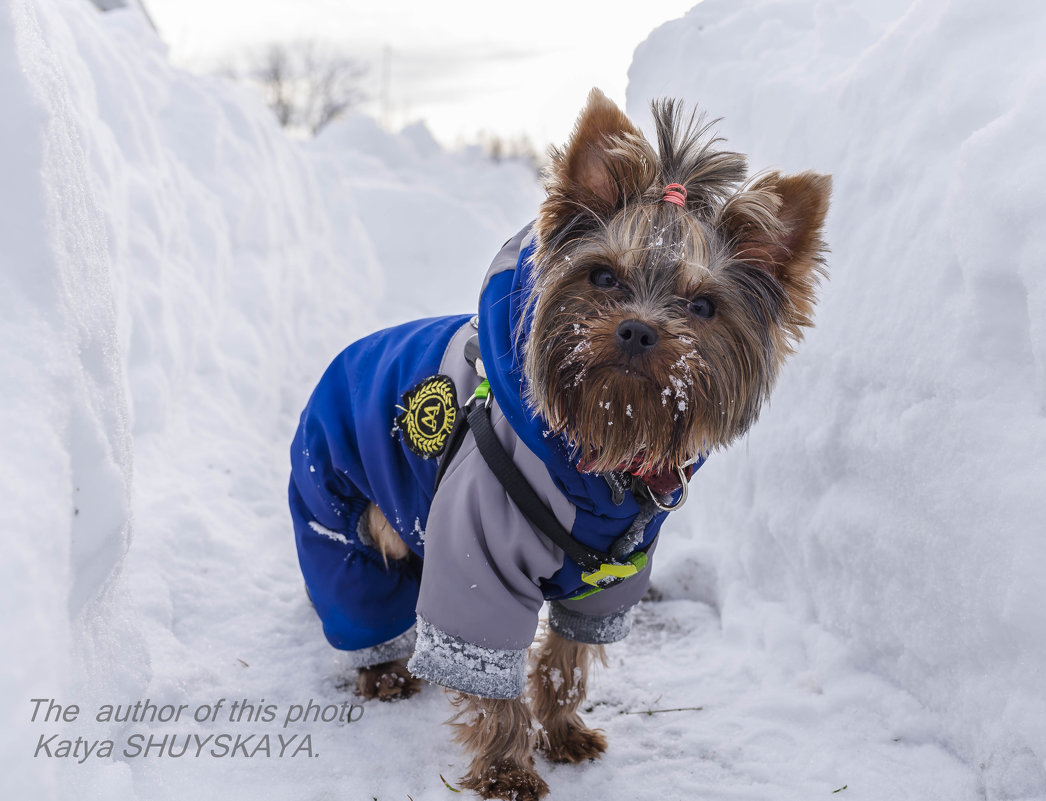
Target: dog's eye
x=703 y=306
x=603 y=277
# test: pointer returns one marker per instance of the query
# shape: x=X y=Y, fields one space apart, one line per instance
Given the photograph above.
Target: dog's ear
x=776 y=223
x=594 y=172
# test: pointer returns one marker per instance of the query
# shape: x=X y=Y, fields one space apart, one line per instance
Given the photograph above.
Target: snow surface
x=895 y=491
x=852 y=597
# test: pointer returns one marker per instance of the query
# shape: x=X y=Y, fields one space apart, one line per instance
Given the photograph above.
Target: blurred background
x=510 y=78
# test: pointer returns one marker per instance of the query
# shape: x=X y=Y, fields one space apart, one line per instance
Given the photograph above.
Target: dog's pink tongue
x=663 y=482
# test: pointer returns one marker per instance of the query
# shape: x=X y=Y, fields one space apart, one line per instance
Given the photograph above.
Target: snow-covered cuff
x=574 y=626
x=451 y=662
x=397 y=648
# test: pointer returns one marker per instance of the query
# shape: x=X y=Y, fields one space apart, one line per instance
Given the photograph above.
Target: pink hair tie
x=675 y=193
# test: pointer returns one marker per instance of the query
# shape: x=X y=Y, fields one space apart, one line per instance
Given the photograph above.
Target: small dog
x=636 y=326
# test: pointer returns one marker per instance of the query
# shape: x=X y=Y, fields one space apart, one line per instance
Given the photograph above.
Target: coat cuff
x=576 y=627
x=397 y=648
x=451 y=662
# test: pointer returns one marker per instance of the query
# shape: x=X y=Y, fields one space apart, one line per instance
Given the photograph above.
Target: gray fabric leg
x=451 y=662
x=574 y=626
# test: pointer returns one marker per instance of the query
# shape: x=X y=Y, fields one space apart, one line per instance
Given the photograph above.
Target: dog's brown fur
x=750 y=254
x=500 y=734
x=755 y=250
x=388 y=681
x=388 y=543
x=558 y=685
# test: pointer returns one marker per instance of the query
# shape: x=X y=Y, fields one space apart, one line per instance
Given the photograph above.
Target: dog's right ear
x=598 y=167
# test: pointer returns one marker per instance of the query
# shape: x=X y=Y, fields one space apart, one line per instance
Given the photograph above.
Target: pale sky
x=462 y=66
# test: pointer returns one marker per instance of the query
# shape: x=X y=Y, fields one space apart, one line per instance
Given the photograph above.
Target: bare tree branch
x=307 y=84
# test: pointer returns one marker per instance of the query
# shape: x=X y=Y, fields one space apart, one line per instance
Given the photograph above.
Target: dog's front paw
x=389 y=681
x=572 y=743
x=506 y=780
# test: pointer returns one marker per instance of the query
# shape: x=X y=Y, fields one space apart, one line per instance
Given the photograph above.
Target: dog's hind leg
x=384 y=537
x=557 y=688
x=388 y=681
x=500 y=734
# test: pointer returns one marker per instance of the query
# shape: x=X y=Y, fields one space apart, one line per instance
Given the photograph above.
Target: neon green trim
x=607 y=571
x=483 y=390
x=635 y=563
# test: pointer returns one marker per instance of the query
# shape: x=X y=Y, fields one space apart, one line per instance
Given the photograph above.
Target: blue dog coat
x=465 y=601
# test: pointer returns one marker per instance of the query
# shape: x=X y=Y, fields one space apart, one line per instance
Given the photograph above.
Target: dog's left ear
x=592 y=173
x=776 y=223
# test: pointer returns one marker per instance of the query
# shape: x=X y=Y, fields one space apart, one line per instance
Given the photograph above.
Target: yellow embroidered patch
x=429 y=412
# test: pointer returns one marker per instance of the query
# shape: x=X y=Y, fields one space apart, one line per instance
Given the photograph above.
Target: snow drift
x=176 y=273
x=894 y=490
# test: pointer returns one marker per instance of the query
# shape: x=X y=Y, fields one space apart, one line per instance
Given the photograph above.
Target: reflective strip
x=609 y=575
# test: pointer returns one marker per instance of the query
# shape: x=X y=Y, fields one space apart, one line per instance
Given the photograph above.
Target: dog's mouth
x=626 y=369
x=633 y=369
x=664 y=481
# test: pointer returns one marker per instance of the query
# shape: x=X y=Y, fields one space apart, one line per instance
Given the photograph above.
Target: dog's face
x=658 y=328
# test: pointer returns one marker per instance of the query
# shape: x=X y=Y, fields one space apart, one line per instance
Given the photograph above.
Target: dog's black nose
x=635 y=337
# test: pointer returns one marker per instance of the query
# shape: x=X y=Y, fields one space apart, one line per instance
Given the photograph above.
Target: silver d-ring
x=682 y=498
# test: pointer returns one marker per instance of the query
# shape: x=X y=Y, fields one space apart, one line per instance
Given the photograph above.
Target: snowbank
x=175 y=275
x=894 y=491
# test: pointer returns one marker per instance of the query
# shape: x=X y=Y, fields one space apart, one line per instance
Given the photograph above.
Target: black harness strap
x=454 y=440
x=598 y=567
x=524 y=496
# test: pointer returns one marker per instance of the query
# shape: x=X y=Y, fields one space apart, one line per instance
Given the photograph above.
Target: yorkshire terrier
x=450 y=475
